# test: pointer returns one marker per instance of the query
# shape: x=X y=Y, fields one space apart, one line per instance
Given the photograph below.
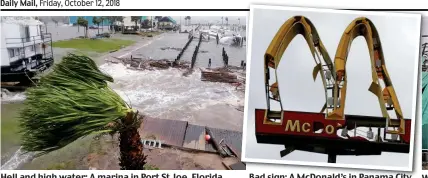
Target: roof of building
x=167 y=19
x=21 y=20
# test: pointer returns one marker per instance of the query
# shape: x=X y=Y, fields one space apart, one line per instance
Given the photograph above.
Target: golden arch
x=288 y=31
x=381 y=83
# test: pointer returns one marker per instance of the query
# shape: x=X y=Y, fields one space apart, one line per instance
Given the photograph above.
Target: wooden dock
x=189 y=136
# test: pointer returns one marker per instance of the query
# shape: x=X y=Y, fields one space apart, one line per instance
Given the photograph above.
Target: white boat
x=26 y=49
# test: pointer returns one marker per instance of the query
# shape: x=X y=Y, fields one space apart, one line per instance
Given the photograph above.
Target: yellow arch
x=386 y=94
x=290 y=29
x=359 y=27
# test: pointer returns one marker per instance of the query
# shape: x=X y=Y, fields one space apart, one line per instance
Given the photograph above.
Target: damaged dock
x=189 y=137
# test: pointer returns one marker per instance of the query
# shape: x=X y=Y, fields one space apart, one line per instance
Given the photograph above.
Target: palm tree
x=227 y=21
x=239 y=23
x=120 y=19
x=146 y=23
x=97 y=22
x=187 y=18
x=102 y=19
x=55 y=21
x=151 y=23
x=113 y=19
x=157 y=19
x=84 y=23
x=66 y=106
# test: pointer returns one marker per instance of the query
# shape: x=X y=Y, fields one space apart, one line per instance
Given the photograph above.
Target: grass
x=150 y=167
x=97 y=45
x=71 y=157
x=10 y=139
x=62 y=166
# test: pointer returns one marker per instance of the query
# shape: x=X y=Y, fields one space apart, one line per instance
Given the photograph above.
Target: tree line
x=81 y=21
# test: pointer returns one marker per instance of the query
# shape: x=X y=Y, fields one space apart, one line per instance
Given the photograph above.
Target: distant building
x=167 y=23
x=127 y=21
x=129 y=26
x=26 y=49
x=151 y=21
x=73 y=20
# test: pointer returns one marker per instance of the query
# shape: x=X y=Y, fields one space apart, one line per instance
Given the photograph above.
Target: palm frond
x=71 y=102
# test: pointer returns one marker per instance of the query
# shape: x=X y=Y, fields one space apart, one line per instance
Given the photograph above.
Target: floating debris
x=171 y=48
x=188 y=72
x=149 y=64
x=224 y=76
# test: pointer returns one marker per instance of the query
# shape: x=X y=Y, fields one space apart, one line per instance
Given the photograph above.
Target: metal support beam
x=332 y=158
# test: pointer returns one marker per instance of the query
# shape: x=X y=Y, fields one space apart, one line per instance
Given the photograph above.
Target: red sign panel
x=299 y=123
x=308 y=124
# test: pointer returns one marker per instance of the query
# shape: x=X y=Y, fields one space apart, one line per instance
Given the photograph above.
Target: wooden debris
x=233 y=164
x=219 y=76
x=18 y=86
x=238 y=166
x=228 y=162
x=234 y=68
x=216 y=144
x=160 y=64
x=171 y=48
x=233 y=150
x=148 y=64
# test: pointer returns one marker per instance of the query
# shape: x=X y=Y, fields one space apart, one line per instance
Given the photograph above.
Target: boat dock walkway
x=182 y=134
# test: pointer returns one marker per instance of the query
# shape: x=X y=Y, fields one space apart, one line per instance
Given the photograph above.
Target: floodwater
x=207 y=50
x=164 y=94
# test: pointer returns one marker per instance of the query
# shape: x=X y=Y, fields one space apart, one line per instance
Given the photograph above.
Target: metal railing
x=45 y=40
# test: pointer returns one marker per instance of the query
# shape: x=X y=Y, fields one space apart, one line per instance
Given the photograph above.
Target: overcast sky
x=399 y=37
x=213 y=19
